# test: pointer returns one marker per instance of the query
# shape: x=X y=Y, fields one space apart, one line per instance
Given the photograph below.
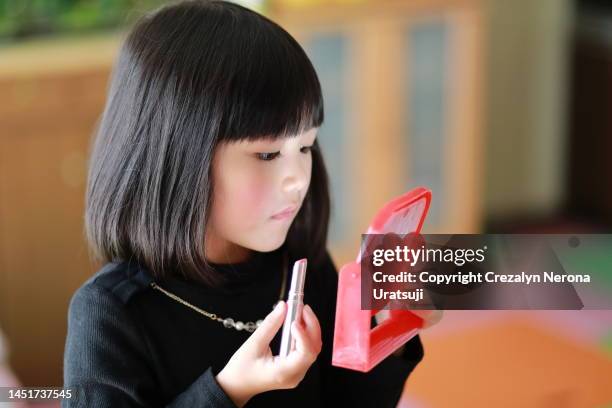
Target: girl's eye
x=267 y=156
x=274 y=155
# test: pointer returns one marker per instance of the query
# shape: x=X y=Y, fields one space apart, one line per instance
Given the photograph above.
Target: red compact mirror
x=356 y=345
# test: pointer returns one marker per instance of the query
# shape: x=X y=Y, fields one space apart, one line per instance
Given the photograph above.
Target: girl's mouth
x=284 y=214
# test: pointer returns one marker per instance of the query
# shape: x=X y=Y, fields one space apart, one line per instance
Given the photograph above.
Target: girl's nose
x=296 y=179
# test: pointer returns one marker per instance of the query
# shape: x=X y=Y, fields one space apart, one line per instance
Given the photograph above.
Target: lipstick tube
x=295 y=303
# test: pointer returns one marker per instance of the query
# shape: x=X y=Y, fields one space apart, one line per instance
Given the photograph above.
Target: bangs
x=274 y=92
x=232 y=63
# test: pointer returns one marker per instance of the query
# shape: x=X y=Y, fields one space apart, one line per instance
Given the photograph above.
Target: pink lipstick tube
x=295 y=303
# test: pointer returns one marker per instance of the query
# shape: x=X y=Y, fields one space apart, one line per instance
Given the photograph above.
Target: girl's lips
x=286 y=213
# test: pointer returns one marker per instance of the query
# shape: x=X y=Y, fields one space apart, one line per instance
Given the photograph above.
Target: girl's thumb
x=269 y=327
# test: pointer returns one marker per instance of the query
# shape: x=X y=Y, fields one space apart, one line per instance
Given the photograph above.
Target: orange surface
x=511 y=363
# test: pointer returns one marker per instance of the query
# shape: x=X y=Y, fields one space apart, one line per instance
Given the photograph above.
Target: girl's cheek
x=253 y=195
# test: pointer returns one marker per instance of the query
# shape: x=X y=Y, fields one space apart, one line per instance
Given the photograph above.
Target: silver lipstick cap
x=294 y=305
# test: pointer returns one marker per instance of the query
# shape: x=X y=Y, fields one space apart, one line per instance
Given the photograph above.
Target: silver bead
x=229 y=322
x=250 y=326
x=239 y=325
x=259 y=322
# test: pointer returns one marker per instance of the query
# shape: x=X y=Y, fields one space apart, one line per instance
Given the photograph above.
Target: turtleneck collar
x=259 y=268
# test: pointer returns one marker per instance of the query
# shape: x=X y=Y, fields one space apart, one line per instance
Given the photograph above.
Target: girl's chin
x=270 y=242
x=268 y=239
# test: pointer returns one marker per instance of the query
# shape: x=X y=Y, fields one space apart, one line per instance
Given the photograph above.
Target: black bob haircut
x=190 y=76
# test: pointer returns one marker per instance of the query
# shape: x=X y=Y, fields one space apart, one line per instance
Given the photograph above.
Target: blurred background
x=502 y=108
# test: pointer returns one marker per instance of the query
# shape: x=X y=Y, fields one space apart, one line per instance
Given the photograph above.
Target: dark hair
x=189 y=76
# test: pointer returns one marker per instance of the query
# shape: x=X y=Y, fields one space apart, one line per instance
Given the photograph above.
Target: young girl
x=206 y=183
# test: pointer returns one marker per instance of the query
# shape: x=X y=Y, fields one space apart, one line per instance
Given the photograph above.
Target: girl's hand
x=253 y=369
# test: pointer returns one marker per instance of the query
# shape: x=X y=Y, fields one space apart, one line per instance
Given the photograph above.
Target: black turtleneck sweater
x=129 y=345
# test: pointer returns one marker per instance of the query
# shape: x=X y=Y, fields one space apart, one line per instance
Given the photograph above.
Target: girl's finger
x=303 y=344
x=313 y=328
x=261 y=338
x=299 y=359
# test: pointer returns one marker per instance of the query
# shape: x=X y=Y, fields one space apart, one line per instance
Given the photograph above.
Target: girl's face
x=259 y=187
